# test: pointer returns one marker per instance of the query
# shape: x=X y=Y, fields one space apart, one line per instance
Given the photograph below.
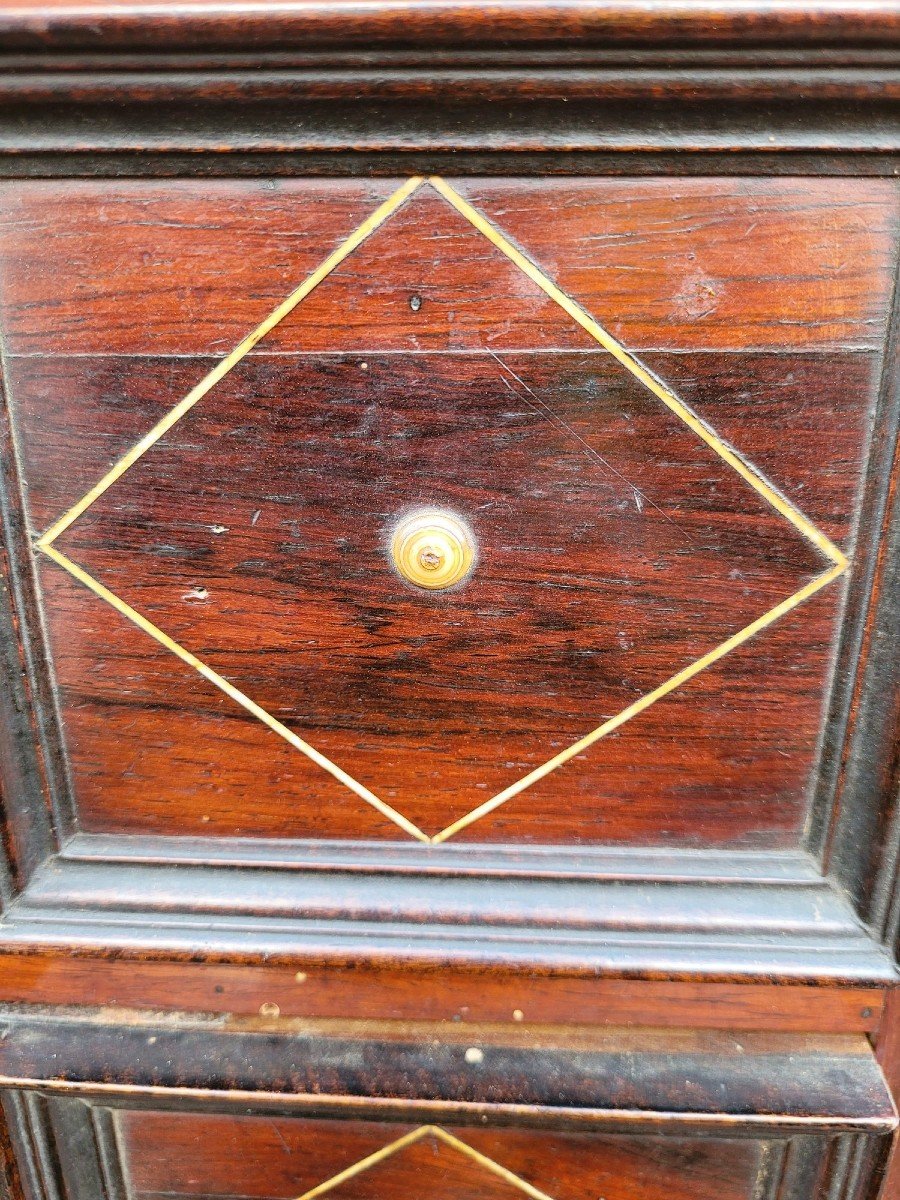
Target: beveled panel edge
x=35 y=813
x=746 y=1083
x=858 y=840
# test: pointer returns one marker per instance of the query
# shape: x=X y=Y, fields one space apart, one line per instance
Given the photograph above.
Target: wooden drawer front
x=657 y=435
x=269 y=1159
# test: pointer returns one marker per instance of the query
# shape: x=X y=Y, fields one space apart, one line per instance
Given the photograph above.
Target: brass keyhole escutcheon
x=433 y=549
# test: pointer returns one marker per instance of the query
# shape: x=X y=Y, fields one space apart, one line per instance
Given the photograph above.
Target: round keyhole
x=433 y=549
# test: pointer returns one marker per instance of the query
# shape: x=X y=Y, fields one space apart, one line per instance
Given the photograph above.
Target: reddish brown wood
x=594 y=584
x=708 y=264
x=209 y=1155
x=181 y=267
x=665 y=552
x=763 y=301
x=357 y=991
x=189 y=267
x=10 y=1176
x=454 y=22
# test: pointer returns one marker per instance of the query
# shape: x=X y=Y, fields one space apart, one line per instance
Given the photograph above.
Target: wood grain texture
x=705 y=265
x=626 y=22
x=183 y=267
x=180 y=267
x=535 y=677
x=595 y=583
x=819 y=407
x=348 y=987
x=10 y=1175
x=763 y=301
x=269 y=1158
x=111 y=664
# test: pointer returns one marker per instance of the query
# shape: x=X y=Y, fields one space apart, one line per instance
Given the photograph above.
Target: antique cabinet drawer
x=448 y=542
x=649 y=406
x=187 y=1107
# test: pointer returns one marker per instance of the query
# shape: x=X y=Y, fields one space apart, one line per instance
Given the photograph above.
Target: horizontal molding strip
x=525 y=23
x=760 y=1081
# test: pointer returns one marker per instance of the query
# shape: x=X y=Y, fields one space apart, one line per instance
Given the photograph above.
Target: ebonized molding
x=455 y=86
x=37 y=1171
x=570 y=1077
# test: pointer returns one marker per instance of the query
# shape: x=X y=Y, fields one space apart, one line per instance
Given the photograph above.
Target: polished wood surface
x=185 y=266
x=453 y=21
x=265 y=1158
x=667 y=967
x=616 y=548
x=353 y=991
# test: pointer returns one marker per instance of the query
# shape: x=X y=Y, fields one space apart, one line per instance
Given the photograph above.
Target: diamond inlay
x=495 y=1182
x=502 y=436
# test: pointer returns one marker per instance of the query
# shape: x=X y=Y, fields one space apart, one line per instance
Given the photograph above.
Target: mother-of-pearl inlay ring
x=433 y=549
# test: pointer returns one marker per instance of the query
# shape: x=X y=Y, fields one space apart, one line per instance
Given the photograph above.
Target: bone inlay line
x=639 y=706
x=221 y=369
x=408 y=1139
x=746 y=471
x=618 y=351
x=236 y=694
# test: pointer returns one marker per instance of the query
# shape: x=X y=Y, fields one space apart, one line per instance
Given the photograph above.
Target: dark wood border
x=30 y=747
x=27 y=1124
x=853 y=838
x=751 y=1085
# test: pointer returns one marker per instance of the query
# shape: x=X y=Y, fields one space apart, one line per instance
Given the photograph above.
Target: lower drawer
x=142 y=1108
x=223 y=1155
x=102 y=1153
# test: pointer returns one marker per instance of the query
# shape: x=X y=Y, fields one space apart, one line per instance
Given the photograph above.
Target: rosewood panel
x=607 y=564
x=191 y=267
x=183 y=266
x=219 y=1155
x=617 y=548
x=707 y=264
